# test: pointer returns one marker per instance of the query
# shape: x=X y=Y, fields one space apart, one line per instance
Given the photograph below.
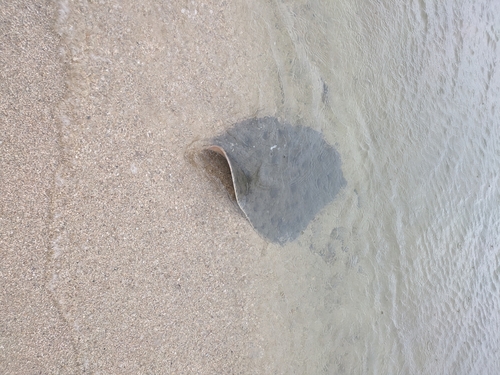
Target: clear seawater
x=401 y=273
x=406 y=277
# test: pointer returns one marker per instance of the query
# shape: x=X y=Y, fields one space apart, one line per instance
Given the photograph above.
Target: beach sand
x=34 y=338
x=117 y=254
x=121 y=254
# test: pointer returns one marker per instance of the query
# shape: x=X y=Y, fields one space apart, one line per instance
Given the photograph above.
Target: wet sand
x=34 y=338
x=118 y=255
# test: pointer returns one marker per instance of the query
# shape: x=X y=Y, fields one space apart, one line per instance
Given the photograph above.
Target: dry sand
x=118 y=255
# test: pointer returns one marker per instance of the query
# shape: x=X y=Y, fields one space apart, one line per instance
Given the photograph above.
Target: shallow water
x=399 y=274
x=407 y=273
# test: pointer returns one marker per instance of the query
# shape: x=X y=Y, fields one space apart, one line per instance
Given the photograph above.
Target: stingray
x=282 y=174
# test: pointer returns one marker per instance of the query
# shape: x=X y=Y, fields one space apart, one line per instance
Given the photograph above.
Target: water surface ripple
x=409 y=93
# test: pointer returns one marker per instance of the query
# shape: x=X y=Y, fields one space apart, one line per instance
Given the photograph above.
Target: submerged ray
x=283 y=175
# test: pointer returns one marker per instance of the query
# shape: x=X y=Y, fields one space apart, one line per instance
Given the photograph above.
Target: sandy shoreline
x=34 y=338
x=117 y=255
